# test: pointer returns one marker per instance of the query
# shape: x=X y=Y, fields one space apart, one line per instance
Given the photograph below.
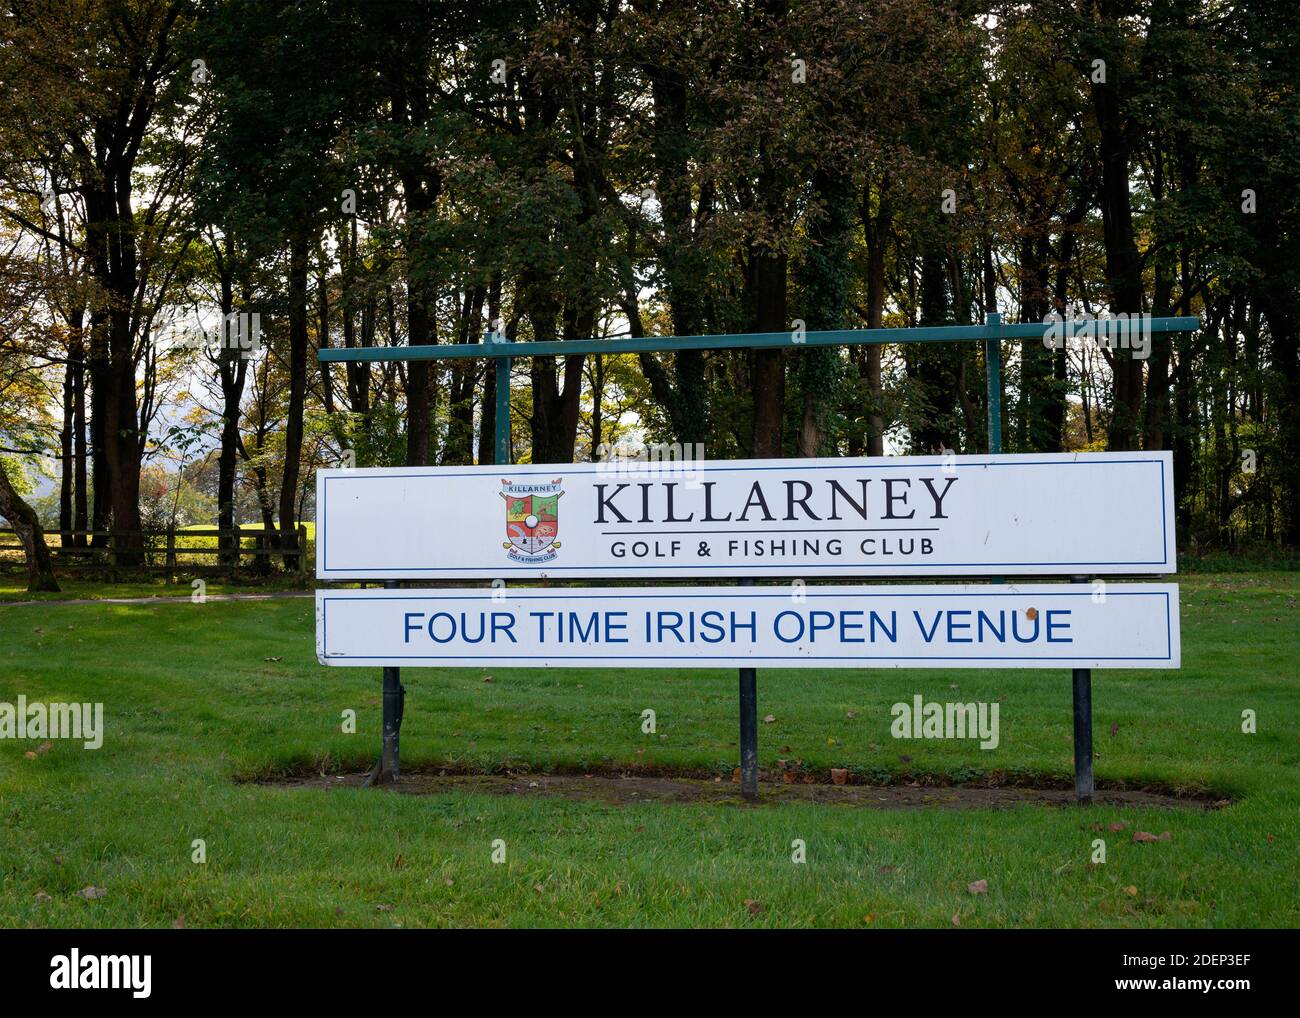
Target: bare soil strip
x=622 y=789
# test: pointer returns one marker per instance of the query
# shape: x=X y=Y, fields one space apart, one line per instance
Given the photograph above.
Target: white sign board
x=987 y=626
x=1044 y=514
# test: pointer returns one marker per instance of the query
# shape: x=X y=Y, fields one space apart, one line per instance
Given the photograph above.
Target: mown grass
x=198 y=695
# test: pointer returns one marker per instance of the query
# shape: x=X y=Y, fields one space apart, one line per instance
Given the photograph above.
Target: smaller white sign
x=987 y=626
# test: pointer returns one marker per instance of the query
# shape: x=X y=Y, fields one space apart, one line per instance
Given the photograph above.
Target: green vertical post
x=501 y=440
x=993 y=373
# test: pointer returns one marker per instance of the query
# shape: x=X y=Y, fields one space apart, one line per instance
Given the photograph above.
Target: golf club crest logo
x=532 y=520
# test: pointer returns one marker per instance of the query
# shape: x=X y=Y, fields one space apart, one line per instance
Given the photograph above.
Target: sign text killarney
x=1095 y=513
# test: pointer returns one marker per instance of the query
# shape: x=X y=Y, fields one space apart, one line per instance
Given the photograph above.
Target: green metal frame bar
x=994 y=330
x=499 y=349
x=501 y=440
x=993 y=379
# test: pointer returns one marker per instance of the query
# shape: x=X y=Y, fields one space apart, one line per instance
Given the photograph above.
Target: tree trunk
x=768 y=273
x=232 y=372
x=1123 y=262
x=1279 y=305
x=21 y=516
x=323 y=335
x=65 y=451
x=824 y=275
x=684 y=396
x=298 y=248
x=876 y=230
x=122 y=439
x=80 y=522
x=488 y=407
x=421 y=326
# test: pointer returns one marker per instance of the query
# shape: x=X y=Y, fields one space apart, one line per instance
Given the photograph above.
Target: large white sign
x=1045 y=514
x=988 y=626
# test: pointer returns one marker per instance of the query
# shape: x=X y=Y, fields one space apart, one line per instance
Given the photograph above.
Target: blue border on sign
x=322 y=544
x=784 y=595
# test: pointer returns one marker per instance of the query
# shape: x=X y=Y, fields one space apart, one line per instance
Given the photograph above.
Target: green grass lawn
x=196 y=696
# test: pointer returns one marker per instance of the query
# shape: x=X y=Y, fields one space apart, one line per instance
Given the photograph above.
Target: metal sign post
x=1081 y=682
x=748 y=726
x=388 y=767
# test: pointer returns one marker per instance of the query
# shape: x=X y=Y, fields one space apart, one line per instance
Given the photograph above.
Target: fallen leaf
x=1114 y=730
x=29 y=755
x=487 y=678
x=1148 y=836
x=1118 y=825
x=869 y=918
x=839 y=775
x=45 y=746
x=383 y=908
x=956 y=918
x=178 y=923
x=978 y=887
x=787 y=777
x=538 y=888
x=753 y=906
x=448 y=881
x=42 y=897
x=1131 y=890
x=270 y=659
x=399 y=862
x=769 y=719
x=91 y=892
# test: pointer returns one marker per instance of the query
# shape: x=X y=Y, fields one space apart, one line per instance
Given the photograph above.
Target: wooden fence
x=196 y=550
